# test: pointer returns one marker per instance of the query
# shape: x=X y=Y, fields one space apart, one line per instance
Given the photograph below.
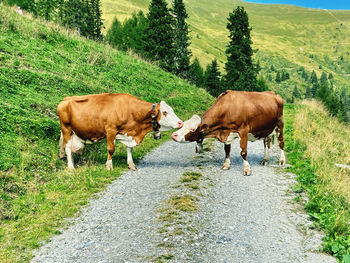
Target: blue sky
x=323 y=4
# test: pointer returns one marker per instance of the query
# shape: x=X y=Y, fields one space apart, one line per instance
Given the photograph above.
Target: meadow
x=315 y=143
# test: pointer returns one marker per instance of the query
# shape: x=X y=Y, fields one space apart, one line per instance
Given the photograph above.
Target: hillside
x=287 y=37
x=40 y=64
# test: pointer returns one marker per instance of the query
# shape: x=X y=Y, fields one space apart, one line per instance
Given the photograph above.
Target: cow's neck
x=143 y=122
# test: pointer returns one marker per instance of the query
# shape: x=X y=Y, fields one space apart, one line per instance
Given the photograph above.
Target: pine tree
x=96 y=19
x=313 y=77
x=83 y=15
x=314 y=89
x=240 y=71
x=212 y=79
x=115 y=35
x=138 y=34
x=308 y=93
x=159 y=34
x=196 y=74
x=296 y=93
x=323 y=78
x=181 y=53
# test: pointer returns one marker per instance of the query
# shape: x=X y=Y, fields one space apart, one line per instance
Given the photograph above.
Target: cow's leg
x=199 y=147
x=67 y=144
x=227 y=162
x=267 y=145
x=130 y=161
x=111 y=134
x=61 y=146
x=281 y=141
x=244 y=143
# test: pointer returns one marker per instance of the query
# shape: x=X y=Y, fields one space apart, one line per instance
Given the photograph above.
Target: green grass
x=285 y=36
x=316 y=142
x=40 y=64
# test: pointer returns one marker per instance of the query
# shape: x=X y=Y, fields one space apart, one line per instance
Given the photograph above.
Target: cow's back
x=89 y=115
x=234 y=109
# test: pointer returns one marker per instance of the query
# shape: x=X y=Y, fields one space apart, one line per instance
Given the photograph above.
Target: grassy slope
x=286 y=36
x=40 y=64
x=316 y=142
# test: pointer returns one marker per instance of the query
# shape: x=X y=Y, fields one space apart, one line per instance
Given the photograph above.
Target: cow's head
x=189 y=131
x=168 y=119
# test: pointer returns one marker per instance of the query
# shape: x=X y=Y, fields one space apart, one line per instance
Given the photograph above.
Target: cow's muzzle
x=157 y=135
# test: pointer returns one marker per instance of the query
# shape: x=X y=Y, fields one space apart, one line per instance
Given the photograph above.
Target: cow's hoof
x=247 y=172
x=70 y=168
x=225 y=167
x=264 y=162
x=282 y=162
x=132 y=167
x=109 y=165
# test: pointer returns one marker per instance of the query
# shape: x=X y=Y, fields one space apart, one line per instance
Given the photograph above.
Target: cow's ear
x=155 y=111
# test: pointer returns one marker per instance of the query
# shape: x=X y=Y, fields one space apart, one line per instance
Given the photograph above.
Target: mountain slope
x=286 y=36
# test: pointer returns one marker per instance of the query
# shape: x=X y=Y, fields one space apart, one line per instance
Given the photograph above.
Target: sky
x=322 y=4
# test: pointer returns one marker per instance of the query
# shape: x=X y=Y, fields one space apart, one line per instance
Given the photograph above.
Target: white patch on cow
x=109 y=164
x=126 y=140
x=252 y=138
x=231 y=137
x=188 y=126
x=129 y=159
x=266 y=155
x=69 y=155
x=77 y=144
x=246 y=169
x=168 y=118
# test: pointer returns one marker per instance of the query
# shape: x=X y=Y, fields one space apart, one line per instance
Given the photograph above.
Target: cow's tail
x=61 y=146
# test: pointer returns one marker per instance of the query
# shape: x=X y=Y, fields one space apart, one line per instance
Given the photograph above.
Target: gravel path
x=236 y=218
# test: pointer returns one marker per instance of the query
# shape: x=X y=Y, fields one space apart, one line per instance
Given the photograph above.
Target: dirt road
x=181 y=207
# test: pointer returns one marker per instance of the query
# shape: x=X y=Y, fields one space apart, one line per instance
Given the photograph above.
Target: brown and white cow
x=238 y=114
x=121 y=117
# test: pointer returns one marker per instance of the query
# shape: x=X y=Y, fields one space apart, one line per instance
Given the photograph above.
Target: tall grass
x=316 y=143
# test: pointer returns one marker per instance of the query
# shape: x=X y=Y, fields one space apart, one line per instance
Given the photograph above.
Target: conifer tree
x=240 y=71
x=313 y=77
x=296 y=93
x=212 y=79
x=314 y=89
x=308 y=93
x=196 y=74
x=323 y=78
x=181 y=53
x=83 y=15
x=159 y=34
x=96 y=19
x=115 y=35
x=137 y=35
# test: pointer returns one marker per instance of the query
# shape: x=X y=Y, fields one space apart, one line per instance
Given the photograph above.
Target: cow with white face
x=119 y=117
x=237 y=114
